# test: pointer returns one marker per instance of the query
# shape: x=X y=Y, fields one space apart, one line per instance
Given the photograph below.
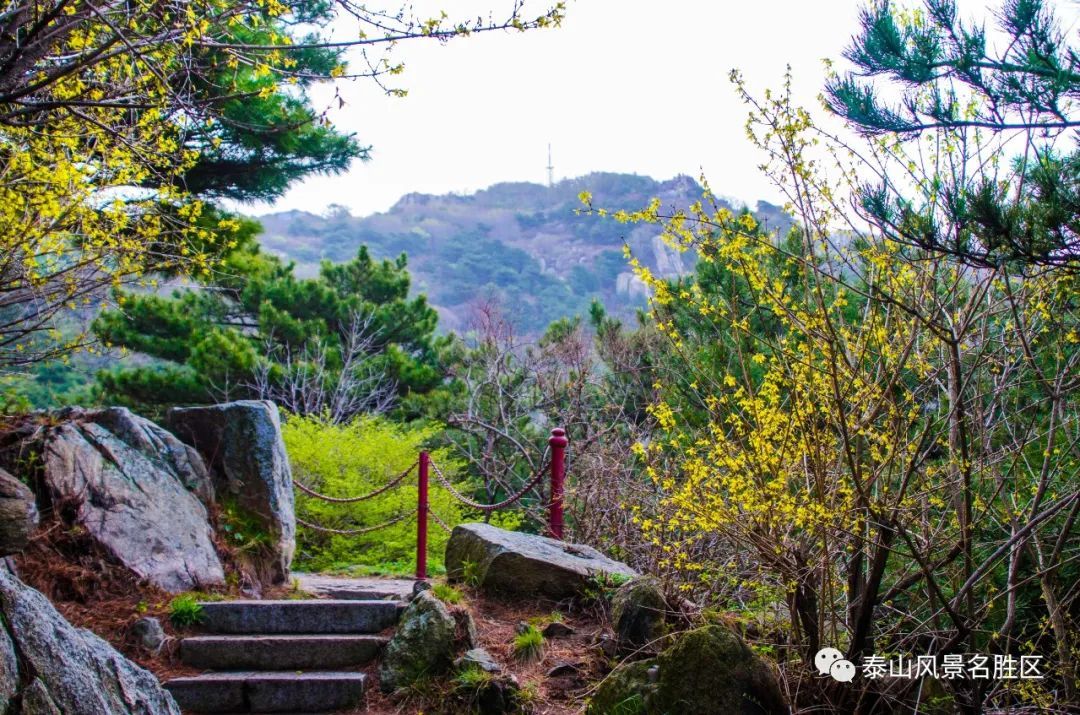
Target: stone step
x=313 y=692
x=299 y=617
x=280 y=652
x=356 y=588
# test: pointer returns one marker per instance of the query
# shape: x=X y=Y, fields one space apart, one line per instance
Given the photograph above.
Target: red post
x=558 y=444
x=422 y=516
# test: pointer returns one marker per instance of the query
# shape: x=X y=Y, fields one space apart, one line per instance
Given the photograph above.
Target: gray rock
x=37 y=701
x=708 y=670
x=511 y=562
x=74 y=672
x=18 y=515
x=557 y=630
x=241 y=441
x=498 y=696
x=419 y=586
x=467 y=635
x=563 y=669
x=133 y=487
x=478 y=658
x=638 y=610
x=607 y=645
x=149 y=633
x=9 y=670
x=423 y=643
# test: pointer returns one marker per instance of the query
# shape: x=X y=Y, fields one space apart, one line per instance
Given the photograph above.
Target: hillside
x=521 y=243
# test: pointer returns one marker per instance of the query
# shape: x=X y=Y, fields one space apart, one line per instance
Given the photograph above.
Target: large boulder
x=423 y=644
x=242 y=443
x=133 y=487
x=639 y=612
x=707 y=671
x=18 y=515
x=62 y=669
x=515 y=563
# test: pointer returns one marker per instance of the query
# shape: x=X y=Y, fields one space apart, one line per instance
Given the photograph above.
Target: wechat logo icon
x=831 y=662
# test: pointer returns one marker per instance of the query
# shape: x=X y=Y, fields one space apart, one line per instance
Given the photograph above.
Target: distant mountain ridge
x=522 y=244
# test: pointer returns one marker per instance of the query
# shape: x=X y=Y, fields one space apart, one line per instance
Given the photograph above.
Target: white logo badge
x=825 y=658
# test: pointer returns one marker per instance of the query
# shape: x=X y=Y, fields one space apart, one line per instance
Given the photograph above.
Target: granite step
x=299 y=617
x=280 y=652
x=262 y=692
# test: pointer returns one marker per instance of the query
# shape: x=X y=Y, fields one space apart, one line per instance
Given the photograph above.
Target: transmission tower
x=550 y=169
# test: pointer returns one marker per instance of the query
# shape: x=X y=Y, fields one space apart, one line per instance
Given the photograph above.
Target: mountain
x=523 y=244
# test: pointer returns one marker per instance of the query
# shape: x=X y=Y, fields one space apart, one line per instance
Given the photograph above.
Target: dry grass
x=92 y=591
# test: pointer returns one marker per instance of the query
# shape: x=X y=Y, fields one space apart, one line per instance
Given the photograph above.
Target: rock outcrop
x=708 y=670
x=423 y=644
x=511 y=562
x=242 y=444
x=133 y=487
x=18 y=514
x=638 y=610
x=49 y=666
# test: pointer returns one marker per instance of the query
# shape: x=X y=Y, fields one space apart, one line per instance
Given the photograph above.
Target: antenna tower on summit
x=551 y=169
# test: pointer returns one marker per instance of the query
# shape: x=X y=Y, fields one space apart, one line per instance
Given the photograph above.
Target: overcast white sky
x=633 y=86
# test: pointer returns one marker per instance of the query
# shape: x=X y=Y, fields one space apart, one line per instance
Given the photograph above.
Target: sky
x=634 y=86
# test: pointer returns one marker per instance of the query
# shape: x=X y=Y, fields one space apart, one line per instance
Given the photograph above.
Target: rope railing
x=355 y=532
x=488 y=508
x=556 y=466
x=363 y=497
x=442 y=524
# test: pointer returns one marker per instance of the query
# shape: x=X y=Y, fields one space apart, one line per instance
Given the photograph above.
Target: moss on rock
x=639 y=611
x=708 y=670
x=423 y=644
x=626 y=691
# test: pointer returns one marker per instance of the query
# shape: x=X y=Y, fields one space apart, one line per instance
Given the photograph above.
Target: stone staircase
x=301 y=656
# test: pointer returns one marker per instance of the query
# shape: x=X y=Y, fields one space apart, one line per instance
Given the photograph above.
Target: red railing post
x=422 y=515
x=558 y=444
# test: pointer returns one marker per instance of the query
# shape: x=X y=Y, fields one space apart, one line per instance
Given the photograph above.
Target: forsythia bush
x=880 y=439
x=352 y=459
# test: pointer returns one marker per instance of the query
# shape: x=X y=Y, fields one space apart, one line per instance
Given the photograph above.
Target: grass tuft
x=529 y=645
x=447 y=593
x=185 y=610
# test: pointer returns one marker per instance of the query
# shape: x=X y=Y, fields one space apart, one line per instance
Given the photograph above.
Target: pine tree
x=350 y=340
x=1019 y=100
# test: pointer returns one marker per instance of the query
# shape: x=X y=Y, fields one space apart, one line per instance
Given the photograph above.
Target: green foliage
x=472 y=679
x=447 y=593
x=339 y=343
x=242 y=530
x=185 y=610
x=529 y=645
x=601 y=587
x=953 y=81
x=470 y=573
x=354 y=459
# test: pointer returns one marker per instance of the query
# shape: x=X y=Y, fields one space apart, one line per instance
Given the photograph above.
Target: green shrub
x=185 y=610
x=529 y=645
x=354 y=459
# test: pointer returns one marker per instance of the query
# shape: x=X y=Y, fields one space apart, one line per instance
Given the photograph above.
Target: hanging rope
x=438 y=520
x=353 y=532
x=488 y=507
x=364 y=497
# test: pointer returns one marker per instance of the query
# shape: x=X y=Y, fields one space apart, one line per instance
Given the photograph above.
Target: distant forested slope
x=520 y=243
